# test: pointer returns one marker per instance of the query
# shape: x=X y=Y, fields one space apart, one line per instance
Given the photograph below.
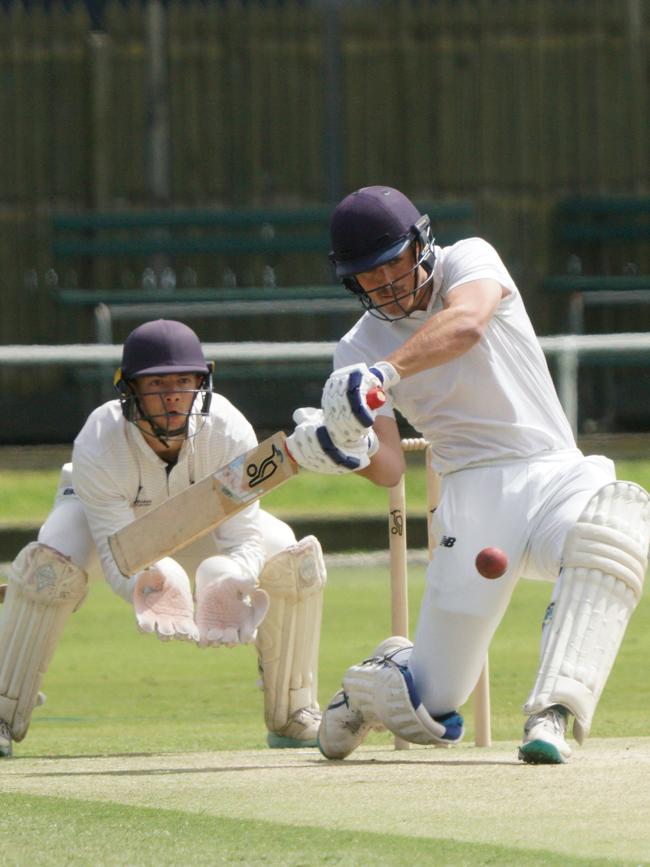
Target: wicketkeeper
x=253 y=580
x=447 y=336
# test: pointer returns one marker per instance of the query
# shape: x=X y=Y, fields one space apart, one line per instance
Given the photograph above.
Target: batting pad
x=289 y=636
x=382 y=689
x=604 y=563
x=44 y=589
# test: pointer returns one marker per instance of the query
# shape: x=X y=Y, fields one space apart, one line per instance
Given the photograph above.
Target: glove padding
x=312 y=446
x=162 y=599
x=229 y=606
x=346 y=413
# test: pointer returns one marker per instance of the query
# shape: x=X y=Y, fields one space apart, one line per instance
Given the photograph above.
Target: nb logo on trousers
x=448 y=541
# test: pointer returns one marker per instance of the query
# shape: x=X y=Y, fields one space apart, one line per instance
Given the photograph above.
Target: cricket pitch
x=595 y=806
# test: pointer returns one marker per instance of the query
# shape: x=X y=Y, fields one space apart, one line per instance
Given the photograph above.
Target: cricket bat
x=203 y=506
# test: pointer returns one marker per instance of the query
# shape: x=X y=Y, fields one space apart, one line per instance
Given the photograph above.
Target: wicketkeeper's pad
x=604 y=563
x=289 y=636
x=44 y=589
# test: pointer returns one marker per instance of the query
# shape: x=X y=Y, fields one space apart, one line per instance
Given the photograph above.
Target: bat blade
x=203 y=506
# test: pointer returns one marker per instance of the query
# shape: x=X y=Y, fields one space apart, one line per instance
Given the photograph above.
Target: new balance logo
x=448 y=541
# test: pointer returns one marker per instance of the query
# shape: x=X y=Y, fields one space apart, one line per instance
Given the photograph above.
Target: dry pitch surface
x=596 y=806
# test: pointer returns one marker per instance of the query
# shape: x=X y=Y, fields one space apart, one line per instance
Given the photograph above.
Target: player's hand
x=229 y=605
x=163 y=602
x=312 y=446
x=346 y=409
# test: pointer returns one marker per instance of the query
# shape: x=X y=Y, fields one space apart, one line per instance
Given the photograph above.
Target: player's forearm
x=387 y=464
x=102 y=522
x=380 y=473
x=446 y=336
x=241 y=539
x=451 y=332
x=105 y=514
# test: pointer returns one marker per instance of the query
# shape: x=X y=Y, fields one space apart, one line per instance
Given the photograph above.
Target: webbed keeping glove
x=229 y=605
x=346 y=408
x=312 y=446
x=163 y=603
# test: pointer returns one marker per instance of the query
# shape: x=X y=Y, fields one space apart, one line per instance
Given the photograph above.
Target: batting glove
x=312 y=446
x=163 y=603
x=345 y=399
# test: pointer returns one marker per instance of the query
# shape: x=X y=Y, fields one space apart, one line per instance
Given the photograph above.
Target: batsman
x=253 y=581
x=445 y=333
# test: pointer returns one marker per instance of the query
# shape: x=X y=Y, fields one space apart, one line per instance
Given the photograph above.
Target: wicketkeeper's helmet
x=372 y=226
x=161 y=347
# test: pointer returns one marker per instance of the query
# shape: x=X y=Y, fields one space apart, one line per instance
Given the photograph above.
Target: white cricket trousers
x=526 y=508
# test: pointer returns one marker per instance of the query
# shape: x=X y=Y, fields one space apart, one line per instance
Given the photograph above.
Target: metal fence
x=565 y=350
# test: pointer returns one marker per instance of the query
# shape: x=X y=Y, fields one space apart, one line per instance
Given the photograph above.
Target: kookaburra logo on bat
x=203 y=506
x=258 y=473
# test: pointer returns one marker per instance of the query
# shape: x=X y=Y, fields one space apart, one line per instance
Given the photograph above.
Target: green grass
x=44 y=832
x=112 y=689
x=113 y=692
x=117 y=694
x=27 y=494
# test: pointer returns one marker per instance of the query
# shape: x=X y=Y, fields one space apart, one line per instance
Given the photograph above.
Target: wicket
x=399 y=581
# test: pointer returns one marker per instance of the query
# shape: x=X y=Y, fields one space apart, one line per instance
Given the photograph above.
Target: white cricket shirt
x=496 y=402
x=118 y=477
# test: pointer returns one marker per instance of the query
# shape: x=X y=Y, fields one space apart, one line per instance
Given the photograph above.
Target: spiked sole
x=540 y=752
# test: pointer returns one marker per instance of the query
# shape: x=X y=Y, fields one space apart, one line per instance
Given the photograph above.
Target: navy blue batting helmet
x=162 y=346
x=370 y=227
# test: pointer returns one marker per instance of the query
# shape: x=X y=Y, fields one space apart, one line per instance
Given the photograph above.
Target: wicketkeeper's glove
x=229 y=605
x=162 y=599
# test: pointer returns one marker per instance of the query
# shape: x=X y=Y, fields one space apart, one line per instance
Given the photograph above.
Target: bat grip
x=288 y=452
x=376 y=397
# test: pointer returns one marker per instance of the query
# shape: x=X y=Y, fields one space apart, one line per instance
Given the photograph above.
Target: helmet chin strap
x=164 y=436
x=161 y=434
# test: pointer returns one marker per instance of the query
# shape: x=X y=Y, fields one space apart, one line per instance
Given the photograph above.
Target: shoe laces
x=555 y=715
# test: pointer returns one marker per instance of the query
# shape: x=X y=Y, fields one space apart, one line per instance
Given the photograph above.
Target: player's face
x=168 y=398
x=390 y=286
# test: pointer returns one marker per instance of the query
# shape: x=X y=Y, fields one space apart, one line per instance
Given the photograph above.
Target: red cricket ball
x=491 y=562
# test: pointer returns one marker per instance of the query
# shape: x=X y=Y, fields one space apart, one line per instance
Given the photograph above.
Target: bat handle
x=376 y=397
x=288 y=452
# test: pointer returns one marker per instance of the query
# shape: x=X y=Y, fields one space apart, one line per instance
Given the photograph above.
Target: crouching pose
x=253 y=580
x=446 y=335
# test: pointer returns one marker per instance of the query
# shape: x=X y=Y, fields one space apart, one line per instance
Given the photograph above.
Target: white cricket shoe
x=5 y=740
x=344 y=727
x=300 y=731
x=544 y=737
